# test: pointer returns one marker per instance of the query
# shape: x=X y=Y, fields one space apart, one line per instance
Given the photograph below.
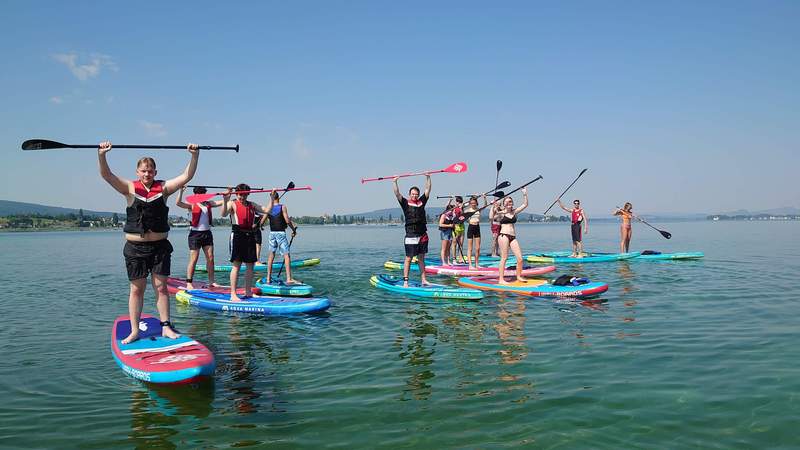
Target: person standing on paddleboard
x=474 y=230
x=578 y=219
x=279 y=220
x=261 y=219
x=458 y=231
x=446 y=232
x=496 y=208
x=200 y=236
x=416 y=240
x=507 y=238
x=625 y=230
x=244 y=227
x=147 y=250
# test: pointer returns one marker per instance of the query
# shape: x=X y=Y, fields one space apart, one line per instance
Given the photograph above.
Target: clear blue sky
x=674 y=106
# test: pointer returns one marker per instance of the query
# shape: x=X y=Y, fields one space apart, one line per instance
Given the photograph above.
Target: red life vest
x=577 y=215
x=244 y=216
x=197 y=211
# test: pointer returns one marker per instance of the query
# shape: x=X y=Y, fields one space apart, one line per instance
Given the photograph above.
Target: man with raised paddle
x=147 y=249
x=416 y=240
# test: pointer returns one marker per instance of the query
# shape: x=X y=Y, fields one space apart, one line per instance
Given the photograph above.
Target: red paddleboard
x=158 y=359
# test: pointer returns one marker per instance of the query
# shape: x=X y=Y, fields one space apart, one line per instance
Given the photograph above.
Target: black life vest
x=149 y=210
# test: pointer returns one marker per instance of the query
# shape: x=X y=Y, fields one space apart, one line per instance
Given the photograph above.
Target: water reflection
x=418 y=354
x=241 y=388
x=510 y=328
x=158 y=411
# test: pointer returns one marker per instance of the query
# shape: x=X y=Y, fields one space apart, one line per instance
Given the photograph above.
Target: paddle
x=43 y=144
x=497 y=177
x=565 y=190
x=200 y=198
x=496 y=193
x=458 y=167
x=214 y=187
x=289 y=187
x=666 y=234
x=469 y=214
x=283 y=263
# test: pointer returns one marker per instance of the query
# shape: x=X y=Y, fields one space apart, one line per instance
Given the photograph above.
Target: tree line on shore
x=80 y=220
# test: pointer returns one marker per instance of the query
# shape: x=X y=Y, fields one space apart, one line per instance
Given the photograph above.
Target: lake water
x=692 y=354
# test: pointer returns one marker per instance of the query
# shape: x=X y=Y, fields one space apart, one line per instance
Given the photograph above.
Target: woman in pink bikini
x=626 y=214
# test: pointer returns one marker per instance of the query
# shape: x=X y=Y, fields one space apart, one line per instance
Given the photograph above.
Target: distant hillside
x=9 y=208
x=784 y=211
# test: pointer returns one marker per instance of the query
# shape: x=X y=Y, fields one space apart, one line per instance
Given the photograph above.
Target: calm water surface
x=693 y=354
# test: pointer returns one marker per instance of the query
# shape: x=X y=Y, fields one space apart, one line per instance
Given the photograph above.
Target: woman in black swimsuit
x=508 y=236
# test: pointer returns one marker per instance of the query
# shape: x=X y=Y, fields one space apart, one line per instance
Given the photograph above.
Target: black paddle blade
x=499 y=194
x=666 y=234
x=503 y=185
x=290 y=185
x=42 y=144
x=499 y=165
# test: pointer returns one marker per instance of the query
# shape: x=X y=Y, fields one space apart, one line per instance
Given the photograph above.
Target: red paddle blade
x=456 y=168
x=199 y=198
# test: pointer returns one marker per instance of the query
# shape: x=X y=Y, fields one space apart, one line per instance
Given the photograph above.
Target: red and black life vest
x=244 y=216
x=149 y=210
x=577 y=215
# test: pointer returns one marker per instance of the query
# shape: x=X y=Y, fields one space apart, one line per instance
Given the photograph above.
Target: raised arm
x=181 y=180
x=121 y=185
x=179 y=201
x=226 y=203
x=563 y=207
x=524 y=201
x=396 y=189
x=428 y=186
x=493 y=210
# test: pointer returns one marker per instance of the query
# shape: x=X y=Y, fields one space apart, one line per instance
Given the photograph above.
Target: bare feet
x=293 y=281
x=235 y=298
x=522 y=279
x=168 y=332
x=425 y=282
x=502 y=281
x=131 y=337
x=216 y=285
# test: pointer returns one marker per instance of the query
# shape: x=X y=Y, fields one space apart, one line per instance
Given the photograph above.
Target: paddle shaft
x=505 y=184
x=565 y=191
x=452 y=168
x=211 y=187
x=364 y=180
x=283 y=263
x=41 y=144
x=468 y=215
x=198 y=198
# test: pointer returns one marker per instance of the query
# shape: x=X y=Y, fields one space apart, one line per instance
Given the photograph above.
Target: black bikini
x=505 y=219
